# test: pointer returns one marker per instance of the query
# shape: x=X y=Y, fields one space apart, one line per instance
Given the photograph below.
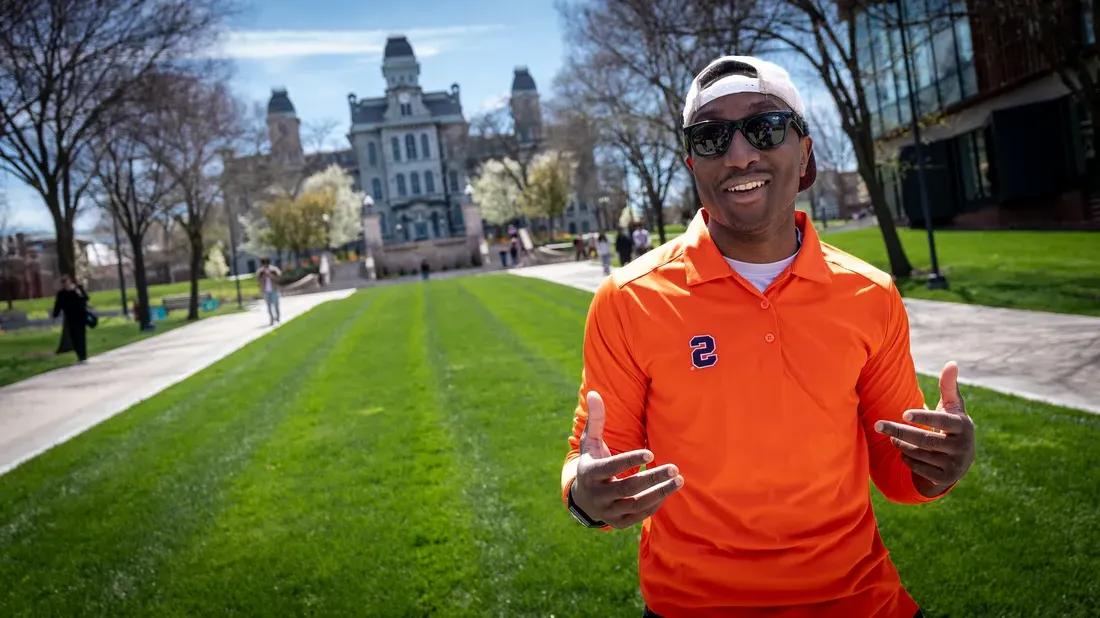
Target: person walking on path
x=760 y=376
x=513 y=250
x=268 y=278
x=624 y=246
x=425 y=269
x=603 y=250
x=72 y=301
x=642 y=242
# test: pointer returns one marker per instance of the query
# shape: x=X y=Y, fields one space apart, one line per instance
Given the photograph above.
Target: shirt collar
x=703 y=262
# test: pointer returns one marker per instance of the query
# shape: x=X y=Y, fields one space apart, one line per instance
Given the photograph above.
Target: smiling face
x=745 y=189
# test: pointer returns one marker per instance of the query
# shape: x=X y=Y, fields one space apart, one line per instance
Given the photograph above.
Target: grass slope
x=398 y=454
x=31 y=351
x=1045 y=271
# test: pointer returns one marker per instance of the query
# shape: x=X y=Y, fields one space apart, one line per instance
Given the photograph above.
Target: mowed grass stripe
x=126 y=496
x=511 y=411
x=353 y=507
x=1019 y=535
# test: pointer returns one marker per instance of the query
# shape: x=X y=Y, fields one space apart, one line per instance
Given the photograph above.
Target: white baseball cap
x=738 y=74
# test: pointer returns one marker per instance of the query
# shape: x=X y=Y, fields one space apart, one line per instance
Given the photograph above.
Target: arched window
x=410 y=146
x=372 y=154
x=376 y=188
x=414 y=179
x=424 y=146
x=396 y=143
x=454 y=181
x=429 y=182
x=401 y=185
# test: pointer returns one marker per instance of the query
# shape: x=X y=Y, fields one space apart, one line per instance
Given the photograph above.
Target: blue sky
x=322 y=50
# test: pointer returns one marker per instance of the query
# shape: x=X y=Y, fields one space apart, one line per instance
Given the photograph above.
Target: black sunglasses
x=764 y=131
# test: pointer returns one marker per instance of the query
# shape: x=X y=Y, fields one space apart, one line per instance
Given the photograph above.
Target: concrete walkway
x=1049 y=357
x=48 y=409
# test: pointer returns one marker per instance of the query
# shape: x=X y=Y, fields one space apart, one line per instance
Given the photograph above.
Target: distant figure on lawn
x=268 y=278
x=760 y=377
x=425 y=269
x=72 y=301
x=624 y=246
x=642 y=243
x=603 y=251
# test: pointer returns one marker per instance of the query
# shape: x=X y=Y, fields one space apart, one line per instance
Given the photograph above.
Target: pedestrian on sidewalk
x=758 y=433
x=72 y=302
x=603 y=251
x=268 y=278
x=514 y=251
x=623 y=246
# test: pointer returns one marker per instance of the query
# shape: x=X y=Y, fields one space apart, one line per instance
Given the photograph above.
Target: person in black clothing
x=72 y=300
x=624 y=246
x=424 y=269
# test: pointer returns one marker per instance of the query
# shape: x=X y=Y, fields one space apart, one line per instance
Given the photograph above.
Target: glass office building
x=984 y=96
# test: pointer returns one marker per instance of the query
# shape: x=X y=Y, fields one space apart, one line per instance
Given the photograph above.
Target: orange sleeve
x=611 y=369
x=887 y=388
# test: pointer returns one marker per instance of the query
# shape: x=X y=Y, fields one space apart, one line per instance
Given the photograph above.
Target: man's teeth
x=748 y=186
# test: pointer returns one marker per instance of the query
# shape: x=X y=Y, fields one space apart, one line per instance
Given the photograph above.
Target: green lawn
x=1046 y=271
x=31 y=351
x=398 y=454
x=111 y=300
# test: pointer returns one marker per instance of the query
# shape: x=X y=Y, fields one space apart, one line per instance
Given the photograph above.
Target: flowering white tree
x=215 y=266
x=496 y=193
x=344 y=223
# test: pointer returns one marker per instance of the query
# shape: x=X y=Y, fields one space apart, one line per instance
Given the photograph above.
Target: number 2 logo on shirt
x=703 y=353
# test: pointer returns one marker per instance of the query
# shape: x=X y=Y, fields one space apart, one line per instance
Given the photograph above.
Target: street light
x=936 y=281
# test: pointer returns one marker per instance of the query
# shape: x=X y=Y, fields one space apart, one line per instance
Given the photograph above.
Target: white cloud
x=493 y=102
x=260 y=44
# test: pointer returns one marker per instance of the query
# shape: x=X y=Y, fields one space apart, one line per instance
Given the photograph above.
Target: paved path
x=48 y=409
x=1050 y=357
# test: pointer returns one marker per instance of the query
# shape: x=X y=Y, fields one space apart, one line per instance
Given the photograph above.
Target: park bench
x=182 y=301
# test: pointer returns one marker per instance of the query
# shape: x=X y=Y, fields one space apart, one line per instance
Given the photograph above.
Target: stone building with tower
x=250 y=180
x=530 y=135
x=410 y=146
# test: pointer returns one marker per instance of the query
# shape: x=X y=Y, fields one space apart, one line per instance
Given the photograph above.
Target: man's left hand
x=941 y=456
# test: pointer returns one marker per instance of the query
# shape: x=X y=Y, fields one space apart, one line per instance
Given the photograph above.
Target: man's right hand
x=618 y=502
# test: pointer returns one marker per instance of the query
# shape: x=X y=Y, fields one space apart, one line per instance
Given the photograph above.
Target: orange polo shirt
x=766 y=402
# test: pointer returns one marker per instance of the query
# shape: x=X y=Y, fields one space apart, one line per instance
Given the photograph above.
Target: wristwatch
x=580 y=515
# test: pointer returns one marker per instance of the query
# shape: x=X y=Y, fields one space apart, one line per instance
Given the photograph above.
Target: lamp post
x=936 y=281
x=368 y=255
x=602 y=212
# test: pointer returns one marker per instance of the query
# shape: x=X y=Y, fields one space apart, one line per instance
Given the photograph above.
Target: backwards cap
x=737 y=74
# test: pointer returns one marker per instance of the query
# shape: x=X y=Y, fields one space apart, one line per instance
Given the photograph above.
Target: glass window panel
x=966 y=45
x=950 y=90
x=429 y=182
x=1086 y=20
x=414 y=180
x=376 y=188
x=424 y=146
x=968 y=167
x=946 y=62
x=969 y=81
x=401 y=184
x=410 y=146
x=396 y=144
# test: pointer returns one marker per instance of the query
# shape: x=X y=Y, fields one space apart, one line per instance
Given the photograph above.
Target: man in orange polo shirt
x=761 y=377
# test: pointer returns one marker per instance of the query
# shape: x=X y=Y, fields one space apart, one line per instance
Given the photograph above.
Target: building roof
x=397 y=47
x=373 y=111
x=280 y=102
x=523 y=80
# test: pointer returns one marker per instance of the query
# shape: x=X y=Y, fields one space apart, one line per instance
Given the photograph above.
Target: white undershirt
x=762 y=275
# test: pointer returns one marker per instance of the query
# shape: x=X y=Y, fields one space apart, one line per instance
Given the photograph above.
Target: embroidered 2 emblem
x=703 y=353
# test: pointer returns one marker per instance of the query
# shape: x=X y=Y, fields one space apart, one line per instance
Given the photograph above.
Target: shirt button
x=769 y=337
x=764 y=304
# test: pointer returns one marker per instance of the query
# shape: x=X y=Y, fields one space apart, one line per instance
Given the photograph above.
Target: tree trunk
x=196 y=267
x=900 y=267
x=141 y=282
x=658 y=210
x=66 y=249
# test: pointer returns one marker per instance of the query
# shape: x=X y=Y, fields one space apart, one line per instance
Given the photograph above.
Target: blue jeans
x=272 y=299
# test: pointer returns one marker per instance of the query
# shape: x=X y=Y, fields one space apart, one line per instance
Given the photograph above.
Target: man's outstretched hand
x=620 y=503
x=940 y=457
